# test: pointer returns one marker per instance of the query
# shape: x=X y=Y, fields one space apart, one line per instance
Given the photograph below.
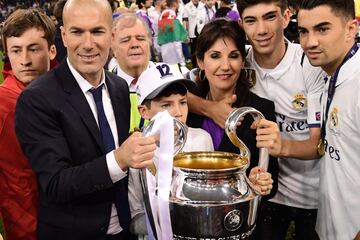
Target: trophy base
x=213 y=221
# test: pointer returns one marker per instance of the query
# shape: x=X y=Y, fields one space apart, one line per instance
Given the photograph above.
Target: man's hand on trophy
x=219 y=111
x=261 y=180
x=136 y=152
x=268 y=136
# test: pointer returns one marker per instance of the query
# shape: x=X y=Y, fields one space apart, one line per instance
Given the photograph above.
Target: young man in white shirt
x=205 y=14
x=190 y=21
x=327 y=34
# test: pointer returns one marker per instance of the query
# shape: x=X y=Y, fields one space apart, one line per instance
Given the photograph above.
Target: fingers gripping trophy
x=208 y=194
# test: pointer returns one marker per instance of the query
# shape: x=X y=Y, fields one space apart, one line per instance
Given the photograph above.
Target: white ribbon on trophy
x=159 y=185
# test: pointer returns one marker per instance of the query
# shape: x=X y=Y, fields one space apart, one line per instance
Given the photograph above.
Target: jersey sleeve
x=314 y=80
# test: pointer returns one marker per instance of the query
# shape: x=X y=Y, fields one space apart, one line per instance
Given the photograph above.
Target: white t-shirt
x=198 y=140
x=119 y=72
x=190 y=13
x=154 y=15
x=295 y=87
x=339 y=201
x=204 y=15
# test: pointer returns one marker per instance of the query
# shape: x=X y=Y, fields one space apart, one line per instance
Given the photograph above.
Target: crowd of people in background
x=82 y=76
x=201 y=13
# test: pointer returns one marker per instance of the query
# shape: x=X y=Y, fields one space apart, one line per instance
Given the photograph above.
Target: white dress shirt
x=116 y=173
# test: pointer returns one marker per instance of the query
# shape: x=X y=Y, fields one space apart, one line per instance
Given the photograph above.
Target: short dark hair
x=344 y=8
x=58 y=10
x=23 y=19
x=174 y=88
x=171 y=3
x=243 y=4
x=140 y=3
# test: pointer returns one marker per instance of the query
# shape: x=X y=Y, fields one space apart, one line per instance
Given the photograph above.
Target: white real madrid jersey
x=295 y=87
x=339 y=200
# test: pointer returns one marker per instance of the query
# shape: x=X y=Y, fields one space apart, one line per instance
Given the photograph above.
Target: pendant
x=321 y=148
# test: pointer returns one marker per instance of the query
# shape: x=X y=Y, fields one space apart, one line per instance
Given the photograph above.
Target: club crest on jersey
x=299 y=102
x=334 y=120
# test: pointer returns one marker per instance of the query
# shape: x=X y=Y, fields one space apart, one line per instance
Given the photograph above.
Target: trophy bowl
x=210 y=197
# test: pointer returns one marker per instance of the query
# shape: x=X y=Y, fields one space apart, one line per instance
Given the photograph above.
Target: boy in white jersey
x=327 y=34
x=283 y=75
x=160 y=88
x=164 y=88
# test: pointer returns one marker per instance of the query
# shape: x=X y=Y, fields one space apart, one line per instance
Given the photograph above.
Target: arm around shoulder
x=217 y=111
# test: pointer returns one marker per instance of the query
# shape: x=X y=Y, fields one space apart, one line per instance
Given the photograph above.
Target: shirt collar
x=85 y=86
x=283 y=67
x=126 y=76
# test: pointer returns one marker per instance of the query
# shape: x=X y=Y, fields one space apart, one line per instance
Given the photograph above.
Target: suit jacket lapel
x=121 y=112
x=78 y=101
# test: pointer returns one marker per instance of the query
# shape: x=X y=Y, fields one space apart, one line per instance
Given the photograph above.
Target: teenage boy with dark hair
x=327 y=34
x=285 y=76
x=28 y=39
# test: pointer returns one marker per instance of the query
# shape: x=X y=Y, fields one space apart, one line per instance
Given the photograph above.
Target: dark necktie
x=105 y=130
x=121 y=192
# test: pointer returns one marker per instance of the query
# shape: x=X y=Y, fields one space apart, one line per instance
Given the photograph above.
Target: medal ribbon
x=331 y=90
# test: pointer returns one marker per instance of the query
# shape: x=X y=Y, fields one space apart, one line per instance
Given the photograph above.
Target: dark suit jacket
x=247 y=135
x=62 y=141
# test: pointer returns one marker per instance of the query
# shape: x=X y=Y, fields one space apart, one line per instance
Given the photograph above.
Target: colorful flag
x=170 y=29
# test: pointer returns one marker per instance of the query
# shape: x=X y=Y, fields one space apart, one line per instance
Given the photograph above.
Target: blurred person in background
x=60 y=49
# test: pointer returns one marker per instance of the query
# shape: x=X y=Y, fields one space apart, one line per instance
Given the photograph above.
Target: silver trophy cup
x=211 y=197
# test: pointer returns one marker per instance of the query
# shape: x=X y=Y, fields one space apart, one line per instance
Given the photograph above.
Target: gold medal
x=321 y=147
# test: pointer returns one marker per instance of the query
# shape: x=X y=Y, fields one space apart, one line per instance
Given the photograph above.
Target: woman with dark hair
x=221 y=55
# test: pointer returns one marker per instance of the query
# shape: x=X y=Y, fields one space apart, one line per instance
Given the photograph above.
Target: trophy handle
x=180 y=137
x=231 y=125
x=179 y=143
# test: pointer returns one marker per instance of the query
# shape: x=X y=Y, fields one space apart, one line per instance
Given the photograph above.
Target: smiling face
x=87 y=36
x=264 y=24
x=131 y=46
x=325 y=37
x=222 y=64
x=29 y=54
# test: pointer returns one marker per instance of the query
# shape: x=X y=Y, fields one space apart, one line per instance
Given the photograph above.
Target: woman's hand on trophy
x=268 y=136
x=261 y=180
